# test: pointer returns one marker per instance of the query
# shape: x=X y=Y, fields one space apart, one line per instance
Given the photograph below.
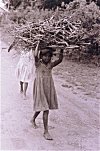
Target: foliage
x=45 y=4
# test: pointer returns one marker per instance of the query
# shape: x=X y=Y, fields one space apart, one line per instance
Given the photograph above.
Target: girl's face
x=46 y=58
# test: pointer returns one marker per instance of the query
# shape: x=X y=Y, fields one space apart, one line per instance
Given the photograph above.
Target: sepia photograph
x=49 y=75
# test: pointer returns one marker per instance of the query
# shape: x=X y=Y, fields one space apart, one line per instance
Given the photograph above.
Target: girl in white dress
x=25 y=70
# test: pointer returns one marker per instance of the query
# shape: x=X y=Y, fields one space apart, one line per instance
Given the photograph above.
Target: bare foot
x=24 y=97
x=21 y=94
x=21 y=91
x=47 y=136
x=34 y=124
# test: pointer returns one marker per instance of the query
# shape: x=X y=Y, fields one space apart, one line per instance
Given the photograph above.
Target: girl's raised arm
x=36 y=52
x=55 y=63
x=36 y=49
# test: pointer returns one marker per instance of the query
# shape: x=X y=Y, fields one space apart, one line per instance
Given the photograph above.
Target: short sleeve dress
x=44 y=94
x=25 y=68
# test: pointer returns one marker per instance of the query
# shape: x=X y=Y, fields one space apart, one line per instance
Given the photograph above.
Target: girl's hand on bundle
x=38 y=43
x=36 y=49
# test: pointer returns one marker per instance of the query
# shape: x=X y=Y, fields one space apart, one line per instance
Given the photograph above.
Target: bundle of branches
x=61 y=33
x=68 y=29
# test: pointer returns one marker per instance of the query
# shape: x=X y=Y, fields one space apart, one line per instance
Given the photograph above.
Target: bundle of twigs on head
x=50 y=34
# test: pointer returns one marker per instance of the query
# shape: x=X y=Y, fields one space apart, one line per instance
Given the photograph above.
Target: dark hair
x=46 y=50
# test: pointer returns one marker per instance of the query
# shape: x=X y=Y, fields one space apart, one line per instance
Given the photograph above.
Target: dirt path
x=74 y=127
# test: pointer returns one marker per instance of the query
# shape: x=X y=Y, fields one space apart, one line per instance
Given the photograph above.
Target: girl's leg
x=45 y=122
x=25 y=88
x=34 y=118
x=21 y=87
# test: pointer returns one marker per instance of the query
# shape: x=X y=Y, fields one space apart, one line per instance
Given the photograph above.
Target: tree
x=16 y=3
x=52 y=4
x=13 y=3
x=45 y=4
